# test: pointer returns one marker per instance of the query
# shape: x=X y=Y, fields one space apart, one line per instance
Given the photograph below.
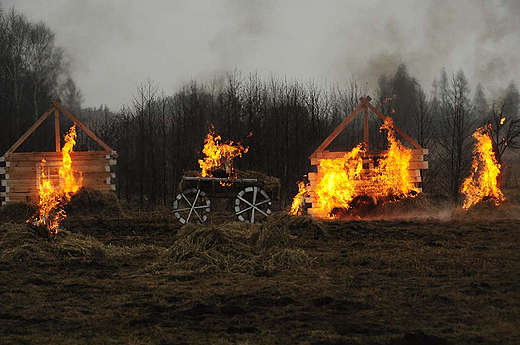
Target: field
x=141 y=278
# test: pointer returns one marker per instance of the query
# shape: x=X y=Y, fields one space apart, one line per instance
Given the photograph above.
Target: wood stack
x=370 y=158
x=20 y=172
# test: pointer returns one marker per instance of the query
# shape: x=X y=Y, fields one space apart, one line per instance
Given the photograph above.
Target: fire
x=338 y=186
x=502 y=120
x=52 y=198
x=391 y=176
x=483 y=180
x=344 y=178
x=296 y=207
x=219 y=156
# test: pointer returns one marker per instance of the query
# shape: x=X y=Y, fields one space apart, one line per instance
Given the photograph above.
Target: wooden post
x=365 y=110
x=57 y=129
x=58 y=106
x=397 y=129
x=30 y=130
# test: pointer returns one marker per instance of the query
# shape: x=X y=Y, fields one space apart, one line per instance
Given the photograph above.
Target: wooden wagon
x=370 y=158
x=252 y=203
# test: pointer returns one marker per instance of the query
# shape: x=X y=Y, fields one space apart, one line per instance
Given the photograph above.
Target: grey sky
x=116 y=45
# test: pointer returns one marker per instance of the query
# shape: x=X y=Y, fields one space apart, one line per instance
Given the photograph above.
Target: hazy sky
x=115 y=45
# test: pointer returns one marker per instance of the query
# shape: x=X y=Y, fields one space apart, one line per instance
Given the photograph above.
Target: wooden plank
x=57 y=130
x=30 y=130
x=55 y=179
x=337 y=131
x=339 y=154
x=366 y=133
x=35 y=169
x=397 y=129
x=82 y=126
x=57 y=156
x=34 y=190
x=418 y=165
x=76 y=165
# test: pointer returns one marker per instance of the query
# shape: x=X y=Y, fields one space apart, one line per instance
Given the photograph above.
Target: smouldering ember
x=219 y=156
x=52 y=198
x=485 y=169
x=344 y=178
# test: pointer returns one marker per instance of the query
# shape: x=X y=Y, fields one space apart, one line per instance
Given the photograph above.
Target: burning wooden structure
x=20 y=173
x=218 y=179
x=370 y=159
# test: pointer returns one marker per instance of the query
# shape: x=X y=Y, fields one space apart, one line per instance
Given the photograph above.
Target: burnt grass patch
x=141 y=278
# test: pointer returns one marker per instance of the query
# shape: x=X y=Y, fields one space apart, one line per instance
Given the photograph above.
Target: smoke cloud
x=116 y=45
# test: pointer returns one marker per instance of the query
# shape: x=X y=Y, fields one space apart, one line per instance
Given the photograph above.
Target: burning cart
x=252 y=203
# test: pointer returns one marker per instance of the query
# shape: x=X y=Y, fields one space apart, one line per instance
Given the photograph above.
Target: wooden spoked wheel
x=252 y=205
x=191 y=204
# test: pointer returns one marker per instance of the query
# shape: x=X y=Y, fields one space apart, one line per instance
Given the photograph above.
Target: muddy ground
x=121 y=280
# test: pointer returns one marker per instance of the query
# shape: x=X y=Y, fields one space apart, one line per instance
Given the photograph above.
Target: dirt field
x=141 y=279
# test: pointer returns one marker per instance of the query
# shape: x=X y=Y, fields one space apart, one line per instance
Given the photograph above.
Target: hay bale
x=270 y=183
x=235 y=247
x=299 y=226
x=78 y=247
x=21 y=243
x=29 y=244
x=16 y=212
x=407 y=207
x=88 y=202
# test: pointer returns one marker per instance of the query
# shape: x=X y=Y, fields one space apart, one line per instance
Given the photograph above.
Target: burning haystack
x=482 y=184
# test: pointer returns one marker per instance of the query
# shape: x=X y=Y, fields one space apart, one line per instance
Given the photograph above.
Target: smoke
x=116 y=45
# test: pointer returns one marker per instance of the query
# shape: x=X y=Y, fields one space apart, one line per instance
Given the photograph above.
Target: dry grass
x=32 y=244
x=234 y=247
x=290 y=280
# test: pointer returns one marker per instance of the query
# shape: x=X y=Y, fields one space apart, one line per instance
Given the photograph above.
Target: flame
x=391 y=175
x=345 y=179
x=219 y=156
x=296 y=207
x=502 y=120
x=483 y=180
x=52 y=198
x=337 y=187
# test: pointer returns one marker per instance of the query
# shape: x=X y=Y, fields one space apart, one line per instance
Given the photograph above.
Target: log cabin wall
x=20 y=172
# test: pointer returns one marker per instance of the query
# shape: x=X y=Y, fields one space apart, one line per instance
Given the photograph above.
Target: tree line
x=282 y=121
x=33 y=72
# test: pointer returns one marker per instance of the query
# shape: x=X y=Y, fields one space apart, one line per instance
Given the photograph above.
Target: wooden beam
x=397 y=129
x=57 y=135
x=30 y=130
x=365 y=110
x=82 y=126
x=337 y=131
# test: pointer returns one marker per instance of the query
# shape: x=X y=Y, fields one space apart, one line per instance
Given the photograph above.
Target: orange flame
x=344 y=178
x=296 y=207
x=219 y=155
x=391 y=175
x=487 y=169
x=338 y=186
x=502 y=120
x=52 y=198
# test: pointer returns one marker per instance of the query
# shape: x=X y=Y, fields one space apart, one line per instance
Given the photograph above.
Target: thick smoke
x=118 y=44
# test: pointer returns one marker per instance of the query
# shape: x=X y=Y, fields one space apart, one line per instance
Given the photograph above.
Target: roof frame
x=57 y=108
x=364 y=105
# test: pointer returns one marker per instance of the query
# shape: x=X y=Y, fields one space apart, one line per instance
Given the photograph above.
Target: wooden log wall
x=416 y=164
x=20 y=172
